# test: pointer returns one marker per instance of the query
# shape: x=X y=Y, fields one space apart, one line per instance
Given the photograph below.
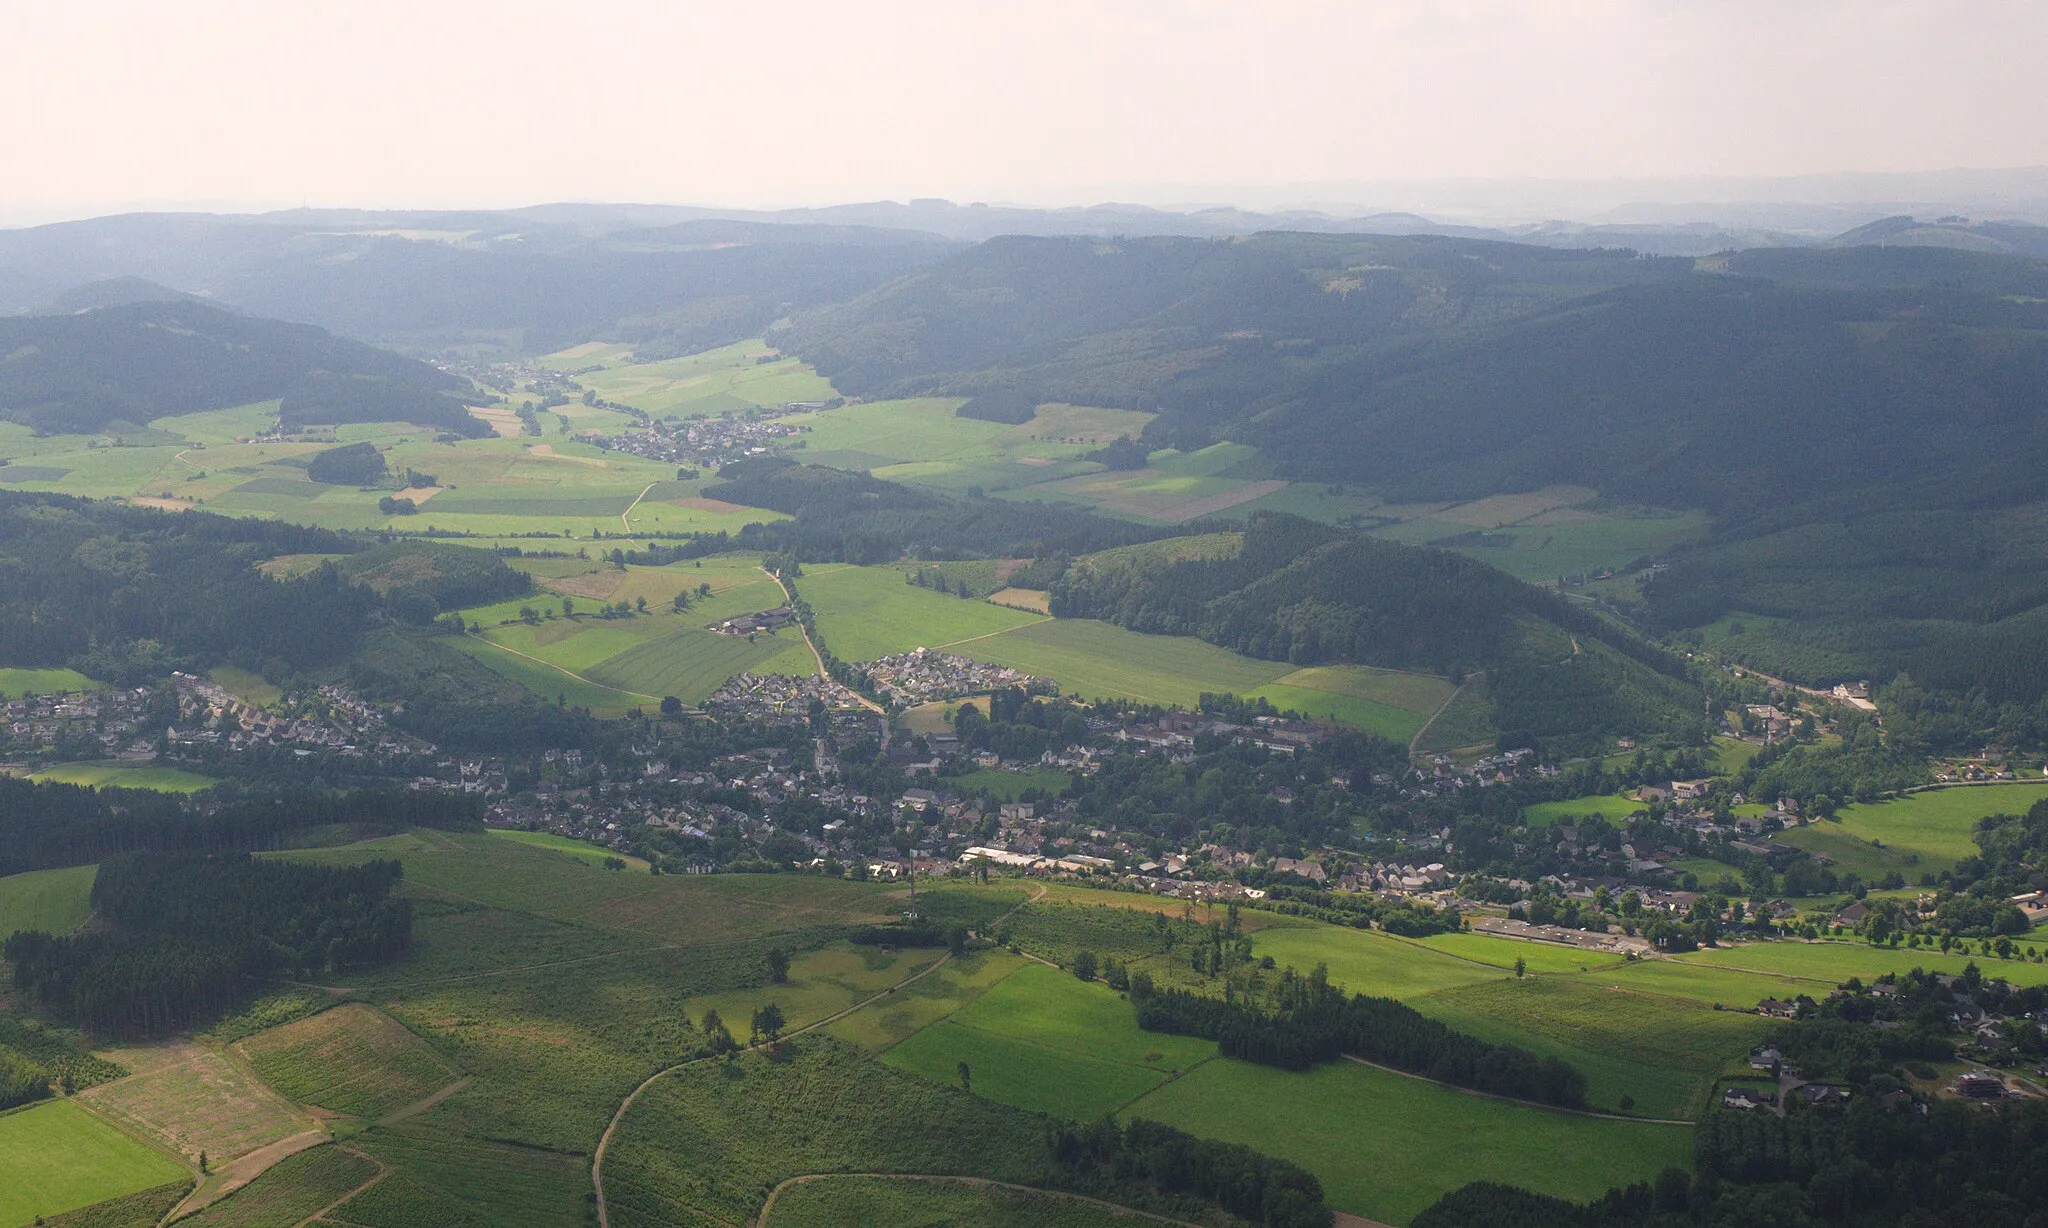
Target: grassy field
x=1467 y=720
x=730 y=378
x=55 y=901
x=1922 y=833
x=126 y=776
x=55 y=1157
x=1614 y=807
x=1386 y=1146
x=1009 y=786
x=292 y=1192
x=190 y=1099
x=869 y=612
x=842 y=1202
x=15 y=683
x=249 y=687
x=1045 y=1041
x=1098 y=660
x=1503 y=952
x=927 y=1000
x=1662 y=1053
x=1391 y=703
x=1367 y=961
x=1828 y=964
x=581 y=850
x=351 y=1059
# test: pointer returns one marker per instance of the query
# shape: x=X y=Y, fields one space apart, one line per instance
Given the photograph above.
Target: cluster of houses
x=924 y=675
x=784 y=700
x=333 y=718
x=706 y=443
x=116 y=720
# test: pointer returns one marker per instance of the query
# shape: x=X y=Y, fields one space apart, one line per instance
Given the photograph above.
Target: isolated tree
x=568 y=608
x=704 y=590
x=768 y=1023
x=1521 y=966
x=671 y=706
x=956 y=939
x=682 y=601
x=778 y=966
x=966 y=1077
x=1084 y=965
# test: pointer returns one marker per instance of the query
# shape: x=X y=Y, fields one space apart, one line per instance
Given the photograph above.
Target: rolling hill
x=139 y=361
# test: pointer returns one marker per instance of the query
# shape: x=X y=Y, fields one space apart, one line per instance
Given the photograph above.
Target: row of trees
x=1111 y=1157
x=1308 y=1021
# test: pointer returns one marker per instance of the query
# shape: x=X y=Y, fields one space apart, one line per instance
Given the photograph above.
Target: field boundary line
x=1175 y=1077
x=635 y=503
x=382 y=1172
x=989 y=635
x=761 y=1220
x=956 y=1010
x=817 y=656
x=604 y=1141
x=1440 y=710
x=1527 y=1104
x=559 y=669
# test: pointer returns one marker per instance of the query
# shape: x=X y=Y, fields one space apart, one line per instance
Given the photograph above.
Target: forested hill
x=135 y=362
x=1307 y=593
x=125 y=594
x=1451 y=368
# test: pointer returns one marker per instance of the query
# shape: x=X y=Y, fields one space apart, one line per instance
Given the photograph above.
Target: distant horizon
x=1504 y=200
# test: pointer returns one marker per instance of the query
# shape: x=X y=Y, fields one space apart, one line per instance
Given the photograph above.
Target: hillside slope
x=1309 y=594
x=139 y=361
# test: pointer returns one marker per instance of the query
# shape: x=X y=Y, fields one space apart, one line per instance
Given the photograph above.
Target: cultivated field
x=1391 y=703
x=55 y=1156
x=191 y=1099
x=294 y=1191
x=869 y=612
x=730 y=378
x=55 y=901
x=352 y=1060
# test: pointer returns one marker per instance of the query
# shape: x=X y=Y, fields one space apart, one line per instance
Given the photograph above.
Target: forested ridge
x=189 y=935
x=140 y=361
x=127 y=594
x=44 y=825
x=1310 y=594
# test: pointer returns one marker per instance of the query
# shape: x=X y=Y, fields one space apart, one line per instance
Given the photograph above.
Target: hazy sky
x=490 y=102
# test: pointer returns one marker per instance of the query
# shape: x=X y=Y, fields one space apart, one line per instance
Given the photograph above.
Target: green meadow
x=1391 y=703
x=1099 y=660
x=739 y=377
x=1827 y=964
x=55 y=1157
x=1368 y=961
x=1921 y=833
x=1614 y=807
x=1045 y=1041
x=125 y=776
x=1386 y=1146
x=581 y=850
x=869 y=612
x=15 y=683
x=55 y=901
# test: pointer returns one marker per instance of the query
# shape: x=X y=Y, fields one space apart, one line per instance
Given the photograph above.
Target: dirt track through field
x=571 y=673
x=605 y=1141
